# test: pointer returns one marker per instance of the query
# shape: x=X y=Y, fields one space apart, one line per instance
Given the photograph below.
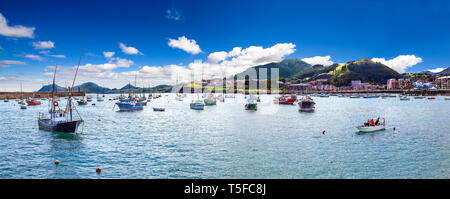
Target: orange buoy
x=323 y=132
x=99 y=119
x=56 y=162
x=98 y=170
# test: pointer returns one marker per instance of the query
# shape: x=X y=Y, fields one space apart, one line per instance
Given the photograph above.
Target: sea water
x=226 y=141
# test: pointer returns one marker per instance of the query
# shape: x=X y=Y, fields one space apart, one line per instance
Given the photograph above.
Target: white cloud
x=15 y=31
x=218 y=64
x=44 y=44
x=322 y=60
x=58 y=56
x=11 y=62
x=183 y=43
x=400 y=63
x=34 y=57
x=436 y=70
x=217 y=56
x=108 y=54
x=173 y=14
x=235 y=61
x=129 y=50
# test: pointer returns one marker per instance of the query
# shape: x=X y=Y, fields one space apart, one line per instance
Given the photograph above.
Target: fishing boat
x=251 y=103
x=210 y=101
x=307 y=104
x=23 y=106
x=285 y=100
x=431 y=98
x=61 y=120
x=197 y=105
x=354 y=96
x=158 y=109
x=447 y=98
x=368 y=128
x=129 y=105
x=88 y=98
x=419 y=97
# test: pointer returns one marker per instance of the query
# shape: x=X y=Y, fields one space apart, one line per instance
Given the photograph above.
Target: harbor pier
x=25 y=95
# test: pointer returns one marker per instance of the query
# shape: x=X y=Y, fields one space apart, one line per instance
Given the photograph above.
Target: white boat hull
x=371 y=128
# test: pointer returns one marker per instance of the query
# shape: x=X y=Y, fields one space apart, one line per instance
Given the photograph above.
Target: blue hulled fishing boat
x=129 y=105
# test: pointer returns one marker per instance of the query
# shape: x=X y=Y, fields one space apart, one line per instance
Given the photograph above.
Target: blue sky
x=408 y=36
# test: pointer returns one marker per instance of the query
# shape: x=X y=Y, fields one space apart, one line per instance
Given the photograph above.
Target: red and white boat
x=32 y=102
x=285 y=100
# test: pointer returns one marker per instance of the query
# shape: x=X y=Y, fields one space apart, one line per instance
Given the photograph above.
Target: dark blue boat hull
x=64 y=127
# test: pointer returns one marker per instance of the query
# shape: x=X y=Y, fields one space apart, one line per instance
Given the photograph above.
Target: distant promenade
x=445 y=92
x=23 y=95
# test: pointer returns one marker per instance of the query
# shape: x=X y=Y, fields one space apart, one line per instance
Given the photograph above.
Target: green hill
x=286 y=68
x=341 y=75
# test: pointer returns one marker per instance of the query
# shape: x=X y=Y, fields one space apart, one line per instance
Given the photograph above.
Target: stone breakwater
x=23 y=95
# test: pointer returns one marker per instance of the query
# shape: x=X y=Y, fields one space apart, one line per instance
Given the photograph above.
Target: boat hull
x=63 y=127
x=209 y=102
x=367 y=129
x=197 y=106
x=129 y=107
x=251 y=107
x=33 y=103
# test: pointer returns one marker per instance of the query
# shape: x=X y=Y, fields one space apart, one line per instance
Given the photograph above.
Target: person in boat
x=377 y=122
x=367 y=123
x=372 y=123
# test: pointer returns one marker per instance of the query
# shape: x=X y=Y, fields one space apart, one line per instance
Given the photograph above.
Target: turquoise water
x=225 y=141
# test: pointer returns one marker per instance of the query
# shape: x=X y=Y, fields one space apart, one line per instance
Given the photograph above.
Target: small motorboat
x=369 y=128
x=251 y=104
x=447 y=98
x=142 y=103
x=324 y=95
x=82 y=102
x=404 y=98
x=197 y=105
x=307 y=104
x=285 y=100
x=354 y=96
x=210 y=101
x=33 y=102
x=23 y=106
x=419 y=97
x=431 y=98
x=158 y=109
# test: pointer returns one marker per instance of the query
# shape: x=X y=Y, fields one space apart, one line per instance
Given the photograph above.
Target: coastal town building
x=443 y=82
x=299 y=88
x=392 y=84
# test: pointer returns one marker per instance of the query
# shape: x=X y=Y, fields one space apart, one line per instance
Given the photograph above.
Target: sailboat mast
x=53 y=88
x=69 y=101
